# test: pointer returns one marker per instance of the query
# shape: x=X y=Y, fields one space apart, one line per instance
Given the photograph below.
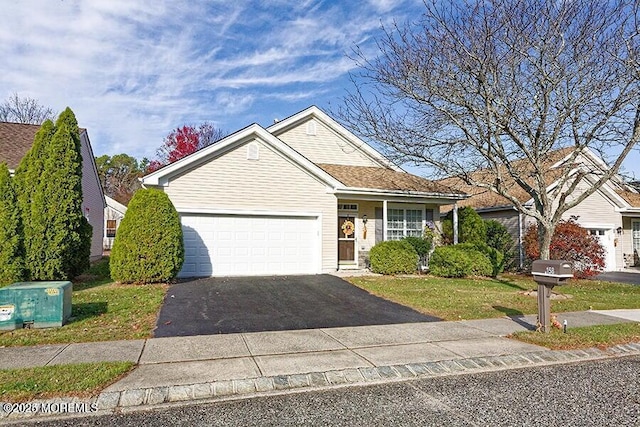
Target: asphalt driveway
x=620 y=277
x=274 y=303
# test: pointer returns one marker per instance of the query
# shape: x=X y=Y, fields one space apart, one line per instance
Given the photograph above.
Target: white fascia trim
x=162 y=176
x=381 y=192
x=317 y=113
x=115 y=205
x=596 y=225
x=629 y=211
x=606 y=190
x=246 y=212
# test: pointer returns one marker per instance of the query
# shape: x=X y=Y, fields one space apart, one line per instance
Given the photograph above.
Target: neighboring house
x=302 y=196
x=17 y=138
x=612 y=213
x=113 y=214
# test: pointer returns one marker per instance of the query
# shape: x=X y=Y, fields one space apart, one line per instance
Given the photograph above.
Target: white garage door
x=235 y=245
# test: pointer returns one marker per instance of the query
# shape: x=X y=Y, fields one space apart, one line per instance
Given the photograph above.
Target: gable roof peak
x=315 y=112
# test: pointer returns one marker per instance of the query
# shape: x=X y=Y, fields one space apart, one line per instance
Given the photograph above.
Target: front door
x=346 y=238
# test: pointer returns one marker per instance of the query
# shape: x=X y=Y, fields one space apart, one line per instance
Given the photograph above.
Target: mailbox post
x=547 y=274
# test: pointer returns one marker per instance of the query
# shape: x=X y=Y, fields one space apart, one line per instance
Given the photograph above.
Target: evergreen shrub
x=393 y=257
x=148 y=247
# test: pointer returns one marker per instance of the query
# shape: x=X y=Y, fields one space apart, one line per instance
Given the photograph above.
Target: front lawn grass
x=591 y=336
x=81 y=380
x=482 y=298
x=101 y=311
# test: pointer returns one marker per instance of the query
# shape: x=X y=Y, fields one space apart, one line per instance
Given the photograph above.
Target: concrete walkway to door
x=275 y=303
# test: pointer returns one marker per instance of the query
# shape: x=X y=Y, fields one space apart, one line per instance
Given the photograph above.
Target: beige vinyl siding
x=92 y=197
x=598 y=210
x=271 y=183
x=326 y=146
x=626 y=239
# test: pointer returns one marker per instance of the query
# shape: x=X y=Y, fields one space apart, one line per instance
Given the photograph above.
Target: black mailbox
x=551 y=272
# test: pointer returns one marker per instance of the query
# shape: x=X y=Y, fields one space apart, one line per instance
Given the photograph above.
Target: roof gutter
x=383 y=192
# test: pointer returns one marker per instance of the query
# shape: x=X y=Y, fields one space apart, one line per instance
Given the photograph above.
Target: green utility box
x=35 y=304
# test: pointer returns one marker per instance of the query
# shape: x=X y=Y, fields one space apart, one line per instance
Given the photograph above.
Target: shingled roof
x=15 y=140
x=632 y=198
x=484 y=198
x=379 y=178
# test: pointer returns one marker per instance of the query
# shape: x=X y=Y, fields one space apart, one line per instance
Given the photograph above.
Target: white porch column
x=455 y=223
x=384 y=220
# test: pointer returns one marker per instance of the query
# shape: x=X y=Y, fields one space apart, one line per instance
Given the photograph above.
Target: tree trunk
x=545 y=232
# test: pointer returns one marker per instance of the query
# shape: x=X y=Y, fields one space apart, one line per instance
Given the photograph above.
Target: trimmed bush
x=449 y=261
x=420 y=245
x=148 y=247
x=459 y=261
x=11 y=247
x=393 y=257
x=493 y=255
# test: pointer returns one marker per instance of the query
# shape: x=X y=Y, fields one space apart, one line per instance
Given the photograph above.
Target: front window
x=404 y=222
x=111 y=228
x=636 y=236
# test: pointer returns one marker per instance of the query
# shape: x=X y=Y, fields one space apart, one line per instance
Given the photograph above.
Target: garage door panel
x=249 y=245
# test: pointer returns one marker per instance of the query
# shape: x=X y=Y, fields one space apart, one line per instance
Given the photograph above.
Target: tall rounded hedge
x=148 y=247
x=393 y=257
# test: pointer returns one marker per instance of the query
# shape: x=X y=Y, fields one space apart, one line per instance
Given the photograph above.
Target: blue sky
x=134 y=70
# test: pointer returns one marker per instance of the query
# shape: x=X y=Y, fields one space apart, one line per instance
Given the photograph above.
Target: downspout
x=455 y=223
x=520 y=242
x=384 y=220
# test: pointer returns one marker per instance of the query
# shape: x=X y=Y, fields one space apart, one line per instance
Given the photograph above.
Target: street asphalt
x=599 y=393
x=176 y=370
x=632 y=278
x=274 y=303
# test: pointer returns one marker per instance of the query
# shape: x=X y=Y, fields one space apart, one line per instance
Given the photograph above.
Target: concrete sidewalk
x=216 y=366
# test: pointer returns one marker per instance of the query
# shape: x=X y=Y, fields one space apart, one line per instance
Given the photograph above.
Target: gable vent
x=311 y=127
x=253 y=151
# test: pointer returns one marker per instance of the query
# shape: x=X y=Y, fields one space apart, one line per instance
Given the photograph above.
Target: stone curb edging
x=136 y=399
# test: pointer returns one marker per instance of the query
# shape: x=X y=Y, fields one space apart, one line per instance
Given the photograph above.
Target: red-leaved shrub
x=571 y=242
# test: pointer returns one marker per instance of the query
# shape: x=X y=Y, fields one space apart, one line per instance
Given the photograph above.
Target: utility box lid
x=552 y=272
x=37 y=285
x=35 y=304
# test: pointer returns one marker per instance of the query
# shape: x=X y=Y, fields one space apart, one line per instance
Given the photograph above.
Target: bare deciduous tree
x=501 y=85
x=24 y=110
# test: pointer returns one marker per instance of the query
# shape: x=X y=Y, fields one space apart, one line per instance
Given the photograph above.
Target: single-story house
x=17 y=138
x=303 y=196
x=113 y=214
x=612 y=213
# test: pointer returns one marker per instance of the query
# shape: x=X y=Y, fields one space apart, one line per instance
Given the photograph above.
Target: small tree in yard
x=70 y=240
x=57 y=236
x=571 y=242
x=183 y=141
x=471 y=227
x=11 y=246
x=148 y=247
x=31 y=202
x=499 y=87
